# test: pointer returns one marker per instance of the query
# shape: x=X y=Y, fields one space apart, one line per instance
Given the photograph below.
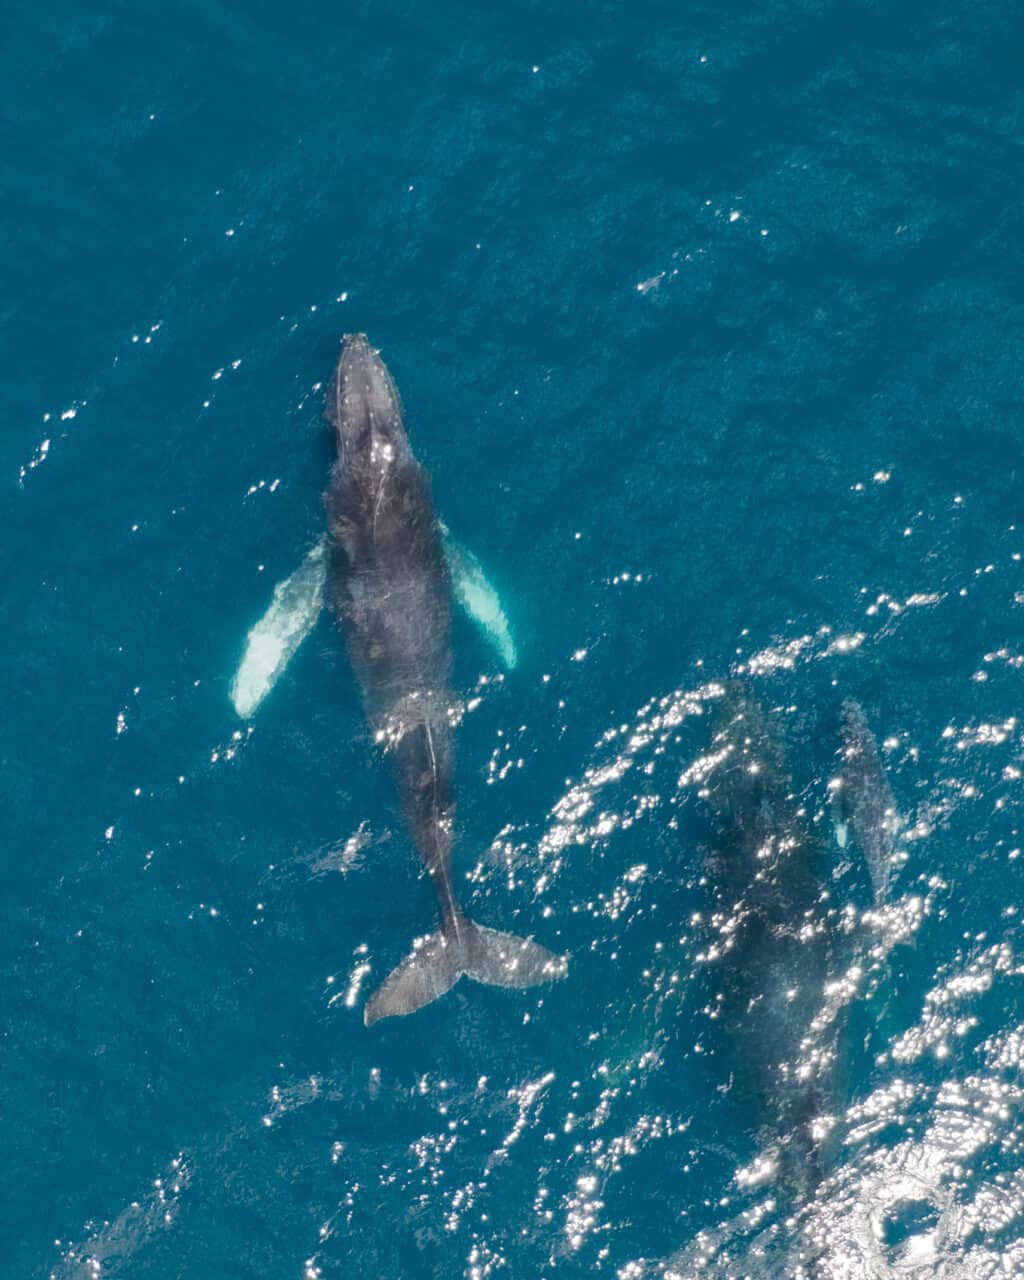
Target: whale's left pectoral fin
x=478 y=597
x=272 y=642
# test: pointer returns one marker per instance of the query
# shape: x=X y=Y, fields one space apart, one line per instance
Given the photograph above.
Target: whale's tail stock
x=460 y=947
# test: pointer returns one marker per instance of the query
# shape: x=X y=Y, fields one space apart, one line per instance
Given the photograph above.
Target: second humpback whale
x=788 y=974
x=777 y=949
x=389 y=585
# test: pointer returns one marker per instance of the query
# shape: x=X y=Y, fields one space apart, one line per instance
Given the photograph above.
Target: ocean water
x=708 y=324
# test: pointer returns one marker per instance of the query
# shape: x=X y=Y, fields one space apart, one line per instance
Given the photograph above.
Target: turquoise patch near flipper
x=476 y=594
x=272 y=642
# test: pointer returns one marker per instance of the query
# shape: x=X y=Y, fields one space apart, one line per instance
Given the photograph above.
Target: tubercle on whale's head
x=363 y=404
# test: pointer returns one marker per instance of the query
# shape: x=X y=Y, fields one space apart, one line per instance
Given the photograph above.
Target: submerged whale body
x=784 y=978
x=389 y=585
x=770 y=874
x=773 y=1021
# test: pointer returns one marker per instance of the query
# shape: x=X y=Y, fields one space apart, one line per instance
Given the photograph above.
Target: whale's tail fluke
x=437 y=962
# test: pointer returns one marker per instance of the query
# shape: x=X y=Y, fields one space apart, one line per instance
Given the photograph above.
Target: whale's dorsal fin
x=298 y=599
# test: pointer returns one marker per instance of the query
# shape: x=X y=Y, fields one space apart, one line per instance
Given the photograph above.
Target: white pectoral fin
x=477 y=595
x=272 y=642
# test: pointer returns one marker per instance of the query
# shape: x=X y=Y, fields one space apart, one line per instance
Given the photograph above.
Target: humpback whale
x=768 y=989
x=390 y=588
x=789 y=970
x=786 y=977
x=778 y=946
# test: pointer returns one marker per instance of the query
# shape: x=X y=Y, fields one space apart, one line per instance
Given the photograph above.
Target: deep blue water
x=726 y=301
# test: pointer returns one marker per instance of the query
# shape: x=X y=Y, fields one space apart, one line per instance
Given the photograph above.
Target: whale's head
x=363 y=406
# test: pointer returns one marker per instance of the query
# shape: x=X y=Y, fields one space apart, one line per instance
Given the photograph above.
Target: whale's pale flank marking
x=862 y=799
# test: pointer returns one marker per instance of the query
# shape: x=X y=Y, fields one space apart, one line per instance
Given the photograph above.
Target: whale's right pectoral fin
x=270 y=645
x=477 y=595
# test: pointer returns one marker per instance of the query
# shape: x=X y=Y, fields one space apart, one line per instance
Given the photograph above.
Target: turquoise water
x=708 y=327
